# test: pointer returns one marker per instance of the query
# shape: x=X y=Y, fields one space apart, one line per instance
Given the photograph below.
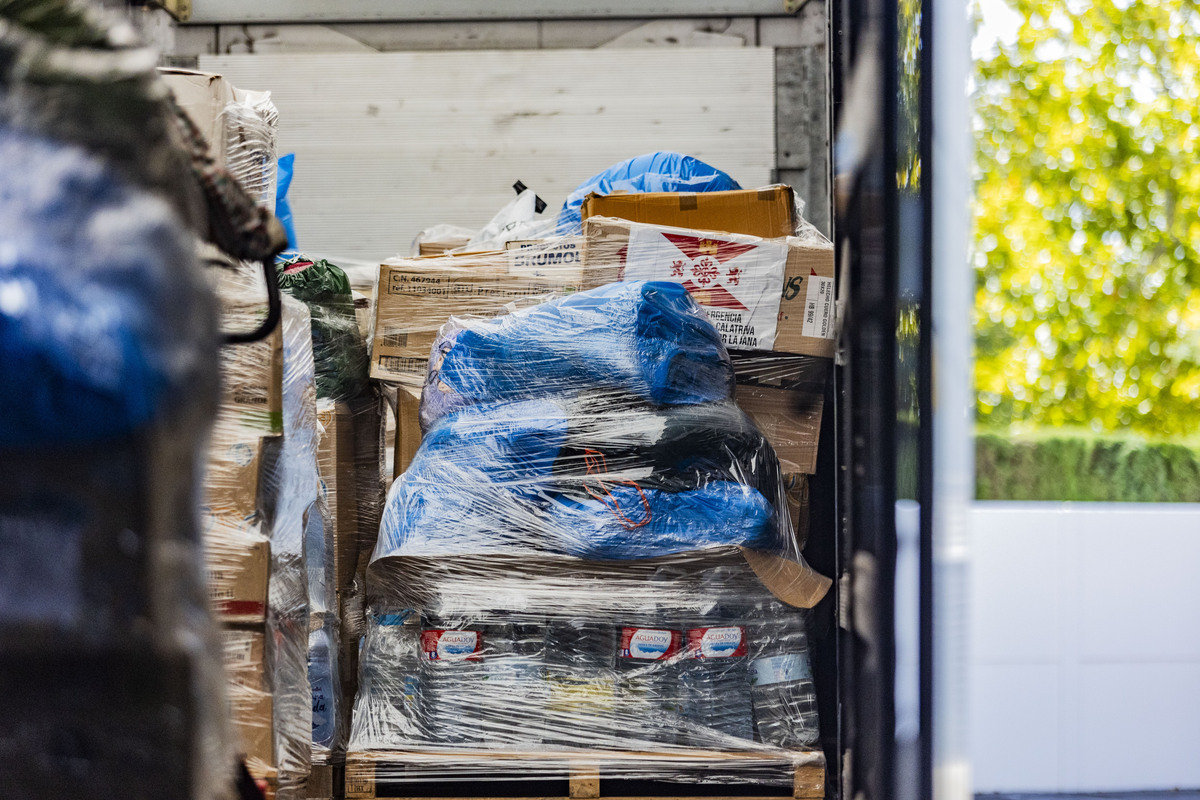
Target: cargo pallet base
x=324 y=782
x=582 y=775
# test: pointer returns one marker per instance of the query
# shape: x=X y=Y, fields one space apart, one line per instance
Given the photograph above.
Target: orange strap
x=595 y=462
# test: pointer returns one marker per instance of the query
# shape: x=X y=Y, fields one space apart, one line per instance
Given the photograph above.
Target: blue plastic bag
x=101 y=313
x=652 y=172
x=536 y=476
x=283 y=208
x=647 y=339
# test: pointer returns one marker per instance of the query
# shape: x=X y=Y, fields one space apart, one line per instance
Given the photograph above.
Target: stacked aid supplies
x=589 y=548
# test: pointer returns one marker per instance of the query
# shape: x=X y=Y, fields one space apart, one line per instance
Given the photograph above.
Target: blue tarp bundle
x=94 y=298
x=647 y=339
x=652 y=172
x=506 y=478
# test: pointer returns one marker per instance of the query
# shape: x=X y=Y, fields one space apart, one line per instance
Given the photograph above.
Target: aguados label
x=451 y=645
x=649 y=644
x=726 y=642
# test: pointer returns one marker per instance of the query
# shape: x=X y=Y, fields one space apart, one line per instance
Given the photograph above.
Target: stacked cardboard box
x=235 y=531
x=769 y=291
x=764 y=275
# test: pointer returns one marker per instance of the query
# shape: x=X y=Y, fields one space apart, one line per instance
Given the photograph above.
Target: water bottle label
x=726 y=642
x=781 y=669
x=451 y=645
x=649 y=644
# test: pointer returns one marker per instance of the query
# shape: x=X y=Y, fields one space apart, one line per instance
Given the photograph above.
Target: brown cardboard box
x=244 y=653
x=733 y=277
x=336 y=465
x=439 y=248
x=231 y=475
x=791 y=421
x=250 y=701
x=253 y=723
x=408 y=427
x=238 y=562
x=203 y=97
x=767 y=213
x=252 y=374
x=414 y=297
x=785 y=396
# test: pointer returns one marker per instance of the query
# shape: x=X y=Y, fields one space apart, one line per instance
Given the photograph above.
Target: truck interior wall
x=800 y=104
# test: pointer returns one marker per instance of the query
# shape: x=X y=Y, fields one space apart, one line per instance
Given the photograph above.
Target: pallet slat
x=360 y=779
x=584 y=771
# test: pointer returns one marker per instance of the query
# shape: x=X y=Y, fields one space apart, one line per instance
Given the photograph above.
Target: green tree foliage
x=1088 y=218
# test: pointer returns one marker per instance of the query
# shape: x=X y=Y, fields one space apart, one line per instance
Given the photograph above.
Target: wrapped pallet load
x=350 y=471
x=589 y=565
x=108 y=385
x=261 y=492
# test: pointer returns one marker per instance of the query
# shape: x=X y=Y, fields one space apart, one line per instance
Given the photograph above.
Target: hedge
x=1085 y=467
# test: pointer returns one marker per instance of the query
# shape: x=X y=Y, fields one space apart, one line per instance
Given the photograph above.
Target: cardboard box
x=762 y=294
x=232 y=472
x=203 y=97
x=252 y=374
x=768 y=213
x=336 y=464
x=785 y=396
x=252 y=713
x=414 y=298
x=244 y=654
x=439 y=248
x=408 y=427
x=237 y=559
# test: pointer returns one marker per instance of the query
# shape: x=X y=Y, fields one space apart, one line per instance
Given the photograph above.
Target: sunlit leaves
x=1088 y=218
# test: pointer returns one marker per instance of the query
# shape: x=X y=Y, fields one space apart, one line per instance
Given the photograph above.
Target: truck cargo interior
x=475 y=400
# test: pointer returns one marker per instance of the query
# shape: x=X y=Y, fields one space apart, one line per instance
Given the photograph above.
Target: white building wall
x=1085 y=664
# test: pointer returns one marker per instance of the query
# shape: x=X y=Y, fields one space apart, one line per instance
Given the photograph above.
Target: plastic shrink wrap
x=349 y=465
x=589 y=557
x=249 y=121
x=108 y=384
x=260 y=506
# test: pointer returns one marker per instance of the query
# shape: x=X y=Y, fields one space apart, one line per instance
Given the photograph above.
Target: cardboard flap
x=796 y=584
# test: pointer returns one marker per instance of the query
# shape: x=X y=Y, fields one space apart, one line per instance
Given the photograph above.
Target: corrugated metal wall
x=389 y=143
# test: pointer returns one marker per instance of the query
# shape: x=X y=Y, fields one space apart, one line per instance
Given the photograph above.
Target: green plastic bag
x=339 y=350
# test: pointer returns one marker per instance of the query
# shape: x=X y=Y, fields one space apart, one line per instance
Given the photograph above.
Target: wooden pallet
x=373 y=774
x=324 y=782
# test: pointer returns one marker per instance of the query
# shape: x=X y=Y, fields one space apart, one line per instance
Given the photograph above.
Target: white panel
x=1139 y=727
x=1119 y=591
x=1140 y=598
x=1014 y=728
x=1015 y=615
x=240 y=11
x=388 y=144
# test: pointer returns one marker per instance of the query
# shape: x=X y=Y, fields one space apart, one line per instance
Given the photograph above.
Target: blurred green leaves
x=1087 y=196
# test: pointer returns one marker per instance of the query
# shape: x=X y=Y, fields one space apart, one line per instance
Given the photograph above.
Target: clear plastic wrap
x=348 y=463
x=107 y=362
x=294 y=470
x=764 y=294
x=590 y=561
x=250 y=124
x=261 y=503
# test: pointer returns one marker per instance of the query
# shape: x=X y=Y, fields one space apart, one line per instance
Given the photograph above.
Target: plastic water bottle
x=454 y=704
x=387 y=710
x=716 y=671
x=322 y=677
x=785 y=703
x=647 y=664
x=579 y=671
x=514 y=692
